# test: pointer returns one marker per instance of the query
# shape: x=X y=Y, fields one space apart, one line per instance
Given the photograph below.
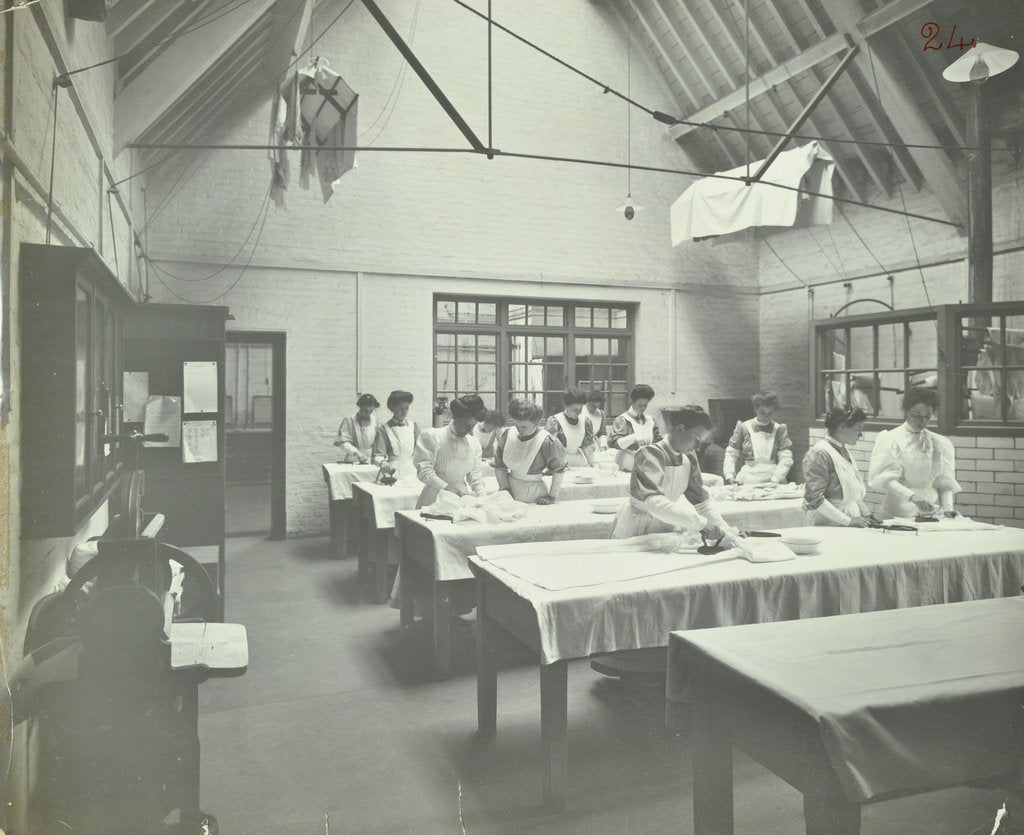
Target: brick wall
x=990 y=472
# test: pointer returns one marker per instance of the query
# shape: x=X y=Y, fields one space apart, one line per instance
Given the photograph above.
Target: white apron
x=634 y=519
x=486 y=439
x=850 y=481
x=918 y=474
x=762 y=468
x=518 y=456
x=453 y=462
x=644 y=433
x=403 y=441
x=574 y=436
x=595 y=425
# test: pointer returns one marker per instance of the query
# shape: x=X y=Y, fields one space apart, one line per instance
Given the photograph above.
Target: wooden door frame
x=278 y=460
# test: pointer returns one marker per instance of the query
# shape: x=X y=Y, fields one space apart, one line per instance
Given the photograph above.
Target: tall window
x=505 y=348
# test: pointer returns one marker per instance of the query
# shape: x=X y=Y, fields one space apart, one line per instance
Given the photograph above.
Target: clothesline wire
x=199 y=23
x=853 y=229
x=672 y=120
x=551 y=158
x=274 y=85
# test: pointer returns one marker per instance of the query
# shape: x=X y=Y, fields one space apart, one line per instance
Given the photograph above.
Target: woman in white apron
x=396 y=440
x=760 y=448
x=594 y=413
x=449 y=458
x=524 y=453
x=572 y=430
x=915 y=468
x=666 y=491
x=633 y=428
x=357 y=433
x=833 y=487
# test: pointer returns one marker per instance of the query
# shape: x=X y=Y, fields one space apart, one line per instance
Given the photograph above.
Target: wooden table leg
x=831 y=816
x=408 y=581
x=377 y=556
x=442 y=633
x=334 y=517
x=486 y=673
x=554 y=732
x=712 y=776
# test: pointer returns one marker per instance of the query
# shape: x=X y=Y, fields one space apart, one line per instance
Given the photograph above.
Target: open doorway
x=254 y=407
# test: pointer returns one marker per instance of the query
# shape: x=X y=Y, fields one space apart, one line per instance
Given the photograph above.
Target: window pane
x=445 y=312
x=600 y=350
x=445 y=376
x=582 y=350
x=890 y=395
x=467 y=312
x=555 y=316
x=554 y=376
x=487 y=376
x=600 y=317
x=617 y=403
x=556 y=346
x=860 y=353
x=445 y=339
x=890 y=346
x=552 y=403
x=536 y=315
x=487 y=313
x=616 y=350
x=1014 y=350
x=467 y=348
x=467 y=378
x=922 y=351
x=490 y=399
x=620 y=317
x=583 y=317
x=834 y=349
x=983 y=387
x=486 y=343
x=517 y=314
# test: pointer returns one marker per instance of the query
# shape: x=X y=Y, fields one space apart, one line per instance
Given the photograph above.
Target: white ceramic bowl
x=606 y=505
x=801 y=545
x=584 y=478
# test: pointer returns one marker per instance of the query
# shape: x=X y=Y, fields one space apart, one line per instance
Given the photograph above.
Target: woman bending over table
x=666 y=490
x=396 y=440
x=833 y=487
x=914 y=467
x=572 y=430
x=523 y=454
x=449 y=458
x=633 y=428
x=760 y=450
x=357 y=433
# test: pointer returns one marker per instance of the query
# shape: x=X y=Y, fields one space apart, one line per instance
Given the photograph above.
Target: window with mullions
x=510 y=348
x=869 y=361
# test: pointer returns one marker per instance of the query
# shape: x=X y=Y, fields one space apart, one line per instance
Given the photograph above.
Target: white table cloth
x=856 y=570
x=340 y=477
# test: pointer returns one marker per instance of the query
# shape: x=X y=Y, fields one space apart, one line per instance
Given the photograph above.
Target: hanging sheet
x=717 y=207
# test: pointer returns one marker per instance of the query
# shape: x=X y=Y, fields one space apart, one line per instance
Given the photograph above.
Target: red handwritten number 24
x=930 y=31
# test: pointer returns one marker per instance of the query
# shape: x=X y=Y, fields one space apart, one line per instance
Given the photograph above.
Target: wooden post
x=979 y=189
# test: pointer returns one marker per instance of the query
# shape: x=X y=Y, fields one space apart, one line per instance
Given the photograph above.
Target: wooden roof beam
x=950 y=116
x=181 y=64
x=899 y=105
x=125 y=12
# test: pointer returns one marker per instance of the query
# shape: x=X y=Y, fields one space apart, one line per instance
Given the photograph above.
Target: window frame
x=502 y=329
x=947 y=321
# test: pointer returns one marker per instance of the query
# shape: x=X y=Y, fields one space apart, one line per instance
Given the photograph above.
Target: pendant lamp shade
x=979 y=63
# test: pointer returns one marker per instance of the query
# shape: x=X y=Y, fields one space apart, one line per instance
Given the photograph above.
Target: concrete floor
x=336 y=728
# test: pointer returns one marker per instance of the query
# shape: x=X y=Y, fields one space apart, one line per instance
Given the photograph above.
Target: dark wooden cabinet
x=72 y=319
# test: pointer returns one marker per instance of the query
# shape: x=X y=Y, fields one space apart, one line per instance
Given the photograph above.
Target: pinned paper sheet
x=136 y=391
x=163 y=414
x=200 y=387
x=198 y=441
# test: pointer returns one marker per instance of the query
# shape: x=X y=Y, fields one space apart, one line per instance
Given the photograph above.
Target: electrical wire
x=863 y=243
x=672 y=120
x=53 y=161
x=899 y=188
x=265 y=210
x=771 y=249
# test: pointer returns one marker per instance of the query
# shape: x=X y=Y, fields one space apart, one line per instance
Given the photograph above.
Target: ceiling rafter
x=951 y=116
x=873 y=169
x=730 y=155
x=161 y=38
x=698 y=67
x=844 y=173
x=902 y=109
x=125 y=12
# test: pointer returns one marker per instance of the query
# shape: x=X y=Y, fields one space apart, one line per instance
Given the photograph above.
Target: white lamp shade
x=979 y=63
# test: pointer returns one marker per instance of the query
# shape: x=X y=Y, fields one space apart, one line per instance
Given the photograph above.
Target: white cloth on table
x=713 y=206
x=904 y=462
x=857 y=570
x=340 y=478
x=961 y=523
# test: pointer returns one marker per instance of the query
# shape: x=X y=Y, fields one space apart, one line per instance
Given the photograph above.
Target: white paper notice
x=198 y=441
x=136 y=390
x=200 y=387
x=163 y=414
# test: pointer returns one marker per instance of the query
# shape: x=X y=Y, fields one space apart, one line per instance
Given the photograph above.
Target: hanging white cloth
x=714 y=206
